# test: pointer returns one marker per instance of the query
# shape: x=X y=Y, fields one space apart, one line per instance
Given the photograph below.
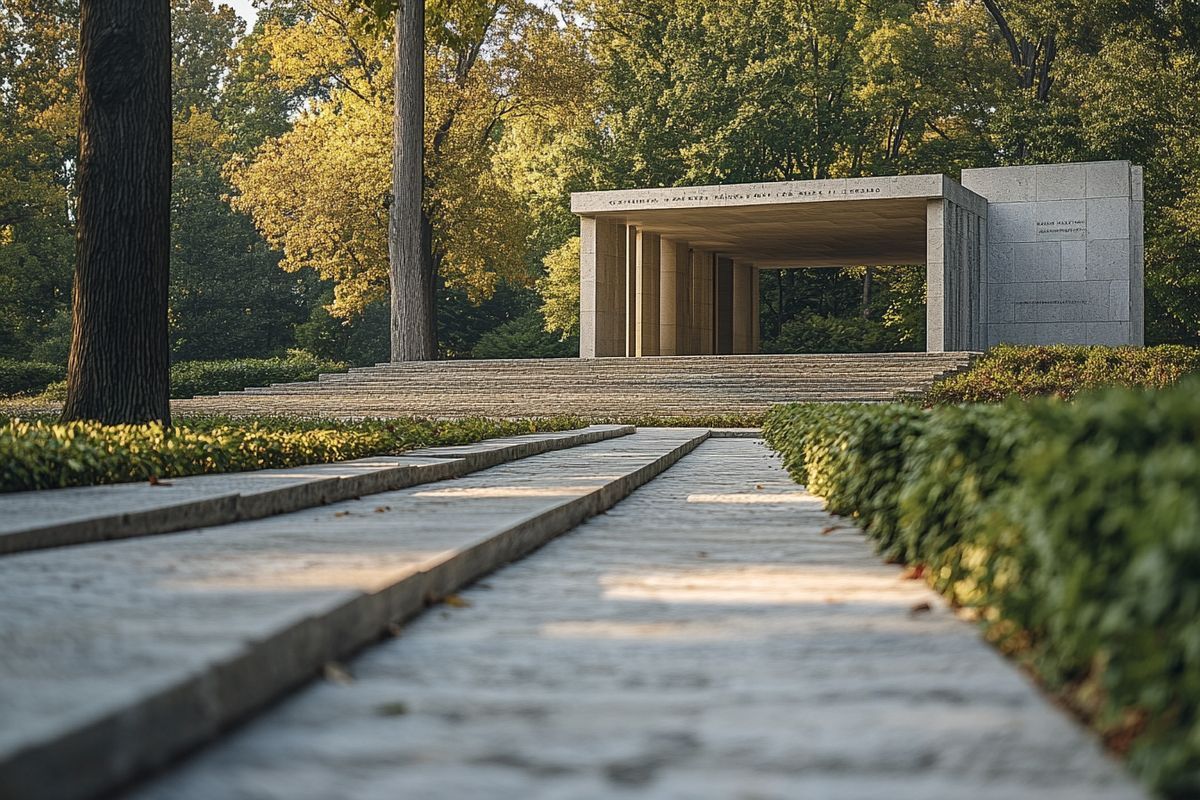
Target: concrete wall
x=1065 y=253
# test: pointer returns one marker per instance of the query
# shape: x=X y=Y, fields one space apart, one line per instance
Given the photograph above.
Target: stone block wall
x=1065 y=253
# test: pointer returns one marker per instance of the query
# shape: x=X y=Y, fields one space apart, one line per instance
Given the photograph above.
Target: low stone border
x=219 y=499
x=103 y=754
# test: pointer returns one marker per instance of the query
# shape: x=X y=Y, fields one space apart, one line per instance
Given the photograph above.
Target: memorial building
x=1046 y=254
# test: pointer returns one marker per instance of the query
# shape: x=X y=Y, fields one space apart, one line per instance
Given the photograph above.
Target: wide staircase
x=605 y=387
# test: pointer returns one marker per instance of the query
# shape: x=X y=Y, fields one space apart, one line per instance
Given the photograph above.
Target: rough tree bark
x=414 y=336
x=118 y=369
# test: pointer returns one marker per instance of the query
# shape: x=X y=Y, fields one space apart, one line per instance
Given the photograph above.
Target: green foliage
x=525 y=337
x=191 y=378
x=1063 y=370
x=27 y=377
x=813 y=333
x=1071 y=529
x=45 y=455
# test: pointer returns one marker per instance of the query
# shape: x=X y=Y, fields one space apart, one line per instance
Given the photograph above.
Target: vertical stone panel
x=601 y=288
x=649 y=255
x=630 y=289
x=722 y=306
x=755 y=319
x=702 y=315
x=742 y=308
x=673 y=297
x=935 y=275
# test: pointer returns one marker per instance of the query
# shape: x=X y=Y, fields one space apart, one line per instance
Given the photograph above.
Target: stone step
x=607 y=387
x=136 y=651
x=79 y=515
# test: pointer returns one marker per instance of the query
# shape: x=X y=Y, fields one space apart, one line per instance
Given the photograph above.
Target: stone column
x=937 y=277
x=601 y=288
x=743 y=308
x=630 y=289
x=702 y=303
x=755 y=321
x=649 y=257
x=673 y=297
x=722 y=306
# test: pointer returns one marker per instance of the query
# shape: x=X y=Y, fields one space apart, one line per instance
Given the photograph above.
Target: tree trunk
x=414 y=336
x=119 y=368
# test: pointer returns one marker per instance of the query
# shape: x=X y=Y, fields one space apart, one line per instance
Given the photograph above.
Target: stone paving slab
x=715 y=635
x=78 y=515
x=119 y=656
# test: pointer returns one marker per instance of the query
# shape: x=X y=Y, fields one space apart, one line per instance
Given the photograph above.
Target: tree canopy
x=283 y=130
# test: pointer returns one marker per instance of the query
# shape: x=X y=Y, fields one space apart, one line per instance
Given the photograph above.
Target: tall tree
x=118 y=370
x=410 y=238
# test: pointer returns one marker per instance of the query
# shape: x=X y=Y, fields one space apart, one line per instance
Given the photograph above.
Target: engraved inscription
x=1062 y=226
x=719 y=196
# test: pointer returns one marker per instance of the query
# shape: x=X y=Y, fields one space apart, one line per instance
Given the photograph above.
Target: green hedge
x=27 y=377
x=1063 y=371
x=188 y=378
x=36 y=454
x=1071 y=529
x=191 y=378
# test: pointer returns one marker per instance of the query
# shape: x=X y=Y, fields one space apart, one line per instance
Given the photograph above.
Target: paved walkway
x=709 y=637
x=118 y=655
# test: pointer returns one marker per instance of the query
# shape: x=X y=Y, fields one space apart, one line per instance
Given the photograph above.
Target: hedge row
x=43 y=455
x=191 y=378
x=1063 y=371
x=27 y=377
x=188 y=378
x=1073 y=531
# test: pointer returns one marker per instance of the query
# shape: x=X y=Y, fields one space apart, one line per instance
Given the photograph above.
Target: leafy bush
x=1064 y=370
x=1072 y=530
x=191 y=378
x=816 y=333
x=37 y=454
x=525 y=337
x=27 y=377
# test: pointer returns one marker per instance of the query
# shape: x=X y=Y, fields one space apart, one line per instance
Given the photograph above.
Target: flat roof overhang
x=828 y=223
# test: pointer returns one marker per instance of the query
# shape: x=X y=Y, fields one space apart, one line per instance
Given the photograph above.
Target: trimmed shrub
x=525 y=337
x=191 y=378
x=27 y=377
x=1072 y=530
x=1063 y=370
x=45 y=455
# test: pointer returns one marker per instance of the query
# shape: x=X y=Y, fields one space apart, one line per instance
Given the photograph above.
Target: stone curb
x=453 y=461
x=106 y=754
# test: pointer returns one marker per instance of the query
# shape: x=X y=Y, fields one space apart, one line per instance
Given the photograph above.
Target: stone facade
x=1038 y=254
x=1065 y=252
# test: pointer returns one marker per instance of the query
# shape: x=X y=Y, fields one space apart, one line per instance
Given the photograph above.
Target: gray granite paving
x=140 y=646
x=715 y=635
x=58 y=517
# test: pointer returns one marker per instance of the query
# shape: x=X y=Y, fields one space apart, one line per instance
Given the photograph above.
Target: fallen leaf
x=920 y=608
x=830 y=529
x=341 y=513
x=758 y=486
x=396 y=709
x=915 y=573
x=383 y=509
x=336 y=673
x=154 y=481
x=454 y=601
